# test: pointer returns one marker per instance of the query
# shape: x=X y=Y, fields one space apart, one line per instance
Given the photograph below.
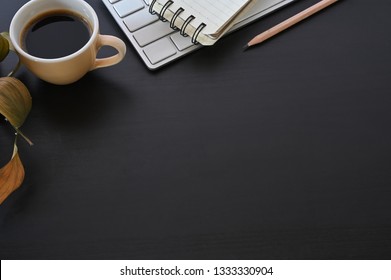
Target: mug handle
x=116 y=43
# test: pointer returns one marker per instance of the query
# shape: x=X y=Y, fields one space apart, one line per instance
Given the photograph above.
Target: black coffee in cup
x=55 y=34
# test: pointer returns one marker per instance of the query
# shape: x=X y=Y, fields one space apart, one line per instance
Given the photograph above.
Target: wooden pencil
x=289 y=22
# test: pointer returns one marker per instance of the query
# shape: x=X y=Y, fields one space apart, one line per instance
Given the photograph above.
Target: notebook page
x=217 y=15
x=214 y=13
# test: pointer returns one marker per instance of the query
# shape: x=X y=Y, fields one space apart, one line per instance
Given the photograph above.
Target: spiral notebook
x=205 y=21
x=157 y=43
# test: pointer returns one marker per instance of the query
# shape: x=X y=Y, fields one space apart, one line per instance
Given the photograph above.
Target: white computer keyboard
x=155 y=42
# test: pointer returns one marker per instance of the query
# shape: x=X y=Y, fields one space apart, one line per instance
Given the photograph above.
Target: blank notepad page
x=214 y=13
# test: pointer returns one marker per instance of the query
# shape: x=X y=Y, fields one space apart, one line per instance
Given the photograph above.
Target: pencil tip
x=245 y=47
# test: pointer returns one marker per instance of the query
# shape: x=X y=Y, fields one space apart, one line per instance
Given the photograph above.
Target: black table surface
x=279 y=152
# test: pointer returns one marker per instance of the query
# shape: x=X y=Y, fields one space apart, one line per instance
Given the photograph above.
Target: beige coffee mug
x=70 y=68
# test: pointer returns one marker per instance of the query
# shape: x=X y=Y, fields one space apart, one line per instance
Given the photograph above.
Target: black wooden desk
x=279 y=152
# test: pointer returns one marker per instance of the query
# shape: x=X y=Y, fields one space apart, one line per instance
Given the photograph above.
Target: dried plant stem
x=16 y=68
x=18 y=132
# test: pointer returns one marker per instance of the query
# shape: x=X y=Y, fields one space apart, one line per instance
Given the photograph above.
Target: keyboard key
x=160 y=50
x=152 y=33
x=181 y=42
x=127 y=7
x=113 y=1
x=139 y=19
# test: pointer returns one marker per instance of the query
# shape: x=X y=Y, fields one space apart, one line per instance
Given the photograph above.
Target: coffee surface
x=55 y=35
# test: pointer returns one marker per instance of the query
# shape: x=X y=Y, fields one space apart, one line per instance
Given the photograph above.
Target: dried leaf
x=11 y=175
x=15 y=105
x=6 y=35
x=15 y=101
x=6 y=41
x=4 y=47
